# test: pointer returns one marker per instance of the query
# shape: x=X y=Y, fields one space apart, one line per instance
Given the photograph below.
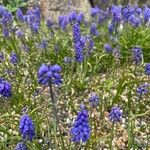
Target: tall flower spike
x=76 y=33
x=21 y=146
x=89 y=44
x=7 y=18
x=26 y=127
x=5 y=88
x=147 y=69
x=79 y=43
x=93 y=30
x=115 y=114
x=19 y=15
x=13 y=58
x=63 y=22
x=137 y=55
x=146 y=14
x=80 y=131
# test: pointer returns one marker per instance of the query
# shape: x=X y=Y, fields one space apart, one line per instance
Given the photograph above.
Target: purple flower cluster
x=137 y=55
x=80 y=131
x=5 y=88
x=32 y=18
x=93 y=30
x=146 y=14
x=49 y=23
x=21 y=146
x=108 y=48
x=94 y=100
x=13 y=58
x=26 y=127
x=94 y=11
x=135 y=21
x=116 y=13
x=142 y=89
x=126 y=13
x=111 y=27
x=75 y=17
x=89 y=44
x=63 y=22
x=20 y=16
x=147 y=69
x=6 y=19
x=115 y=114
x=19 y=33
x=72 y=16
x=78 y=44
x=49 y=73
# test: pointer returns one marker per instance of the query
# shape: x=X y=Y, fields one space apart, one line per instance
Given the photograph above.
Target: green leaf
x=22 y=4
x=121 y=87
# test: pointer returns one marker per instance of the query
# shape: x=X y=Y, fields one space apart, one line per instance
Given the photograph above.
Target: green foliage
x=13 y=5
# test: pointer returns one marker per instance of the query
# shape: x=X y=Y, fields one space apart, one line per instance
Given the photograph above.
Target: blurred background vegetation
x=13 y=5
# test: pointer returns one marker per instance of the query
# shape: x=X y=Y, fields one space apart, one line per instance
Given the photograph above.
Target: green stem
x=111 y=137
x=55 y=114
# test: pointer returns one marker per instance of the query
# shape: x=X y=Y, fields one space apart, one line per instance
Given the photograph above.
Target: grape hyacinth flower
x=147 y=69
x=33 y=19
x=5 y=88
x=63 y=22
x=142 y=89
x=146 y=14
x=49 y=73
x=138 y=10
x=93 y=30
x=126 y=13
x=34 y=27
x=94 y=11
x=43 y=44
x=78 y=43
x=111 y=27
x=13 y=58
x=26 y=127
x=21 y=146
x=7 y=19
x=137 y=55
x=108 y=48
x=72 y=16
x=116 y=54
x=68 y=59
x=20 y=16
x=135 y=21
x=49 y=23
x=80 y=17
x=116 y=13
x=6 y=32
x=2 y=10
x=78 y=53
x=80 y=131
x=76 y=33
x=89 y=44
x=115 y=114
x=94 y=100
x=19 y=33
